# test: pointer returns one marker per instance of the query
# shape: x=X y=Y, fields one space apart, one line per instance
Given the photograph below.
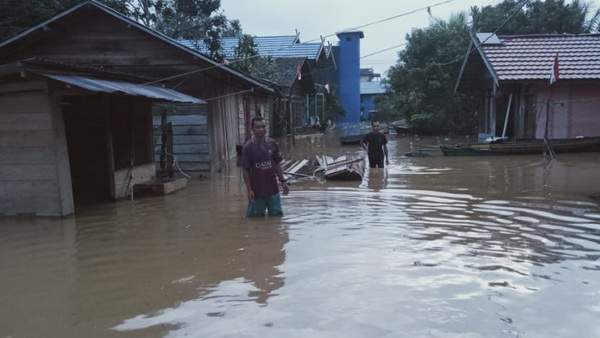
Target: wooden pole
x=507 y=113
x=171 y=159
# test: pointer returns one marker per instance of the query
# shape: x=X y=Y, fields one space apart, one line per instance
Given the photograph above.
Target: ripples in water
x=426 y=248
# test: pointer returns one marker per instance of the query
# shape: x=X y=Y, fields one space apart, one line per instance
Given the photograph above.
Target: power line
x=384 y=50
x=520 y=6
x=428 y=8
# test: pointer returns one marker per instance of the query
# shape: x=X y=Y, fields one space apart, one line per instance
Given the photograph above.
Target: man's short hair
x=257 y=119
x=373 y=122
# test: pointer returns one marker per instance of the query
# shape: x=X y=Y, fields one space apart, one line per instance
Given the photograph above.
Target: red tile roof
x=530 y=57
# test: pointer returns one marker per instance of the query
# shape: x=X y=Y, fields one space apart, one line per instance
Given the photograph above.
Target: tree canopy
x=247 y=59
x=512 y=17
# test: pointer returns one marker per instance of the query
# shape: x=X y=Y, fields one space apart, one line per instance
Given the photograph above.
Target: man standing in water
x=377 y=146
x=261 y=164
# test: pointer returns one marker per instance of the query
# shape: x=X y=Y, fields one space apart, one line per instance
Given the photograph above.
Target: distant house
x=511 y=76
x=368 y=75
x=76 y=99
x=294 y=80
x=337 y=66
x=370 y=88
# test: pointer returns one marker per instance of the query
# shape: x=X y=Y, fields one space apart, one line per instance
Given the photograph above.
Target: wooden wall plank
x=190 y=136
x=22 y=86
x=190 y=139
x=25 y=121
x=26 y=138
x=61 y=154
x=19 y=189
x=25 y=172
x=125 y=179
x=193 y=158
x=188 y=149
x=27 y=155
x=16 y=205
x=181 y=120
x=30 y=102
x=190 y=130
x=194 y=166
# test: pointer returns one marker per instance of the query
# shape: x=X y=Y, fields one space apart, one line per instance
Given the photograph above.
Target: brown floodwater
x=428 y=247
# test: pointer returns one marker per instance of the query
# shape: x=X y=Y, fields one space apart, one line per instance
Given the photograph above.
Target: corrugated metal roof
x=287 y=70
x=110 y=86
x=530 y=57
x=371 y=87
x=275 y=46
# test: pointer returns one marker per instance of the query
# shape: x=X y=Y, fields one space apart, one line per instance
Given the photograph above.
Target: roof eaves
x=486 y=61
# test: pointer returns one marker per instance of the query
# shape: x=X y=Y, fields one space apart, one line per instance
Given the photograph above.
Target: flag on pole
x=555 y=75
x=327 y=87
x=299 y=69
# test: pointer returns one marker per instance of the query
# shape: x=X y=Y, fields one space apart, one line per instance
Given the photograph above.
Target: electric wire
x=229 y=62
x=428 y=8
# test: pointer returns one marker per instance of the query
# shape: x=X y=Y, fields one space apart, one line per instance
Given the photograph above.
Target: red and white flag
x=299 y=69
x=555 y=75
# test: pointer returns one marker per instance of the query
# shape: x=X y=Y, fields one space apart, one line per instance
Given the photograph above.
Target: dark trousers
x=376 y=161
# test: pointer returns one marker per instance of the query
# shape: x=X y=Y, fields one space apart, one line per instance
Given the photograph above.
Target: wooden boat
x=347 y=167
x=401 y=128
x=523 y=147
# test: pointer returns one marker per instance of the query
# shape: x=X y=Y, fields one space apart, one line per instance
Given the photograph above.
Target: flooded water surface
x=428 y=247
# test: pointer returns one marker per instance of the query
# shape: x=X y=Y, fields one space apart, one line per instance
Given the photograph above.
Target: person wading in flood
x=261 y=165
x=377 y=146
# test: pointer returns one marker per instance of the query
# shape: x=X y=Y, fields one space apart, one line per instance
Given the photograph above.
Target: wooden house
x=76 y=96
x=294 y=81
x=511 y=75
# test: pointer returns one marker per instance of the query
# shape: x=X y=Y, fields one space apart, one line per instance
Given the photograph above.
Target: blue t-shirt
x=261 y=158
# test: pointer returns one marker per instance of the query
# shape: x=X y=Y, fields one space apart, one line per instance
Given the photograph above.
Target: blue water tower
x=348 y=63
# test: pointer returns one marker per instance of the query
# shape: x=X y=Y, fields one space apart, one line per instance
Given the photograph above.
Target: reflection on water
x=428 y=247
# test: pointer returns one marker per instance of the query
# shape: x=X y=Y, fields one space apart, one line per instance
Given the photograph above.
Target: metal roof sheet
x=530 y=57
x=275 y=46
x=372 y=87
x=110 y=86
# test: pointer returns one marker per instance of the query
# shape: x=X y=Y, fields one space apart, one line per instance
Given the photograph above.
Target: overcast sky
x=315 y=18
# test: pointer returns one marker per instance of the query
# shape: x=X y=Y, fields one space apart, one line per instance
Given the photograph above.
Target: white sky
x=315 y=18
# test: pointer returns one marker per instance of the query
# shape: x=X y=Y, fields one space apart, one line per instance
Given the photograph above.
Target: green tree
x=536 y=17
x=189 y=19
x=333 y=107
x=17 y=15
x=421 y=83
x=247 y=59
